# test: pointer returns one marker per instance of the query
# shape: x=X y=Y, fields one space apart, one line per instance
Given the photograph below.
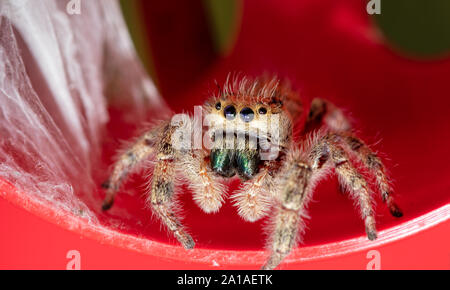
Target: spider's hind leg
x=371 y=160
x=325 y=113
x=355 y=184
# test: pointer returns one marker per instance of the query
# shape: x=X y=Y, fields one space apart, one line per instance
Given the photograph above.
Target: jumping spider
x=280 y=186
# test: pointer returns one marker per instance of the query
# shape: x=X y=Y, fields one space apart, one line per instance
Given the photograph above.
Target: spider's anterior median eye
x=247 y=114
x=262 y=111
x=218 y=106
x=229 y=112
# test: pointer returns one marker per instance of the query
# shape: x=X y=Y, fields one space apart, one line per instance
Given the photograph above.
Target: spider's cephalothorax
x=248 y=118
x=247 y=131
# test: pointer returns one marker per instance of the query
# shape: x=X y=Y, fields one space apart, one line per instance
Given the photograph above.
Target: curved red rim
x=223 y=257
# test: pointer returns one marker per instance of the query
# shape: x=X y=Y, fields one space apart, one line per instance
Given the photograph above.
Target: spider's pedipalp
x=207 y=189
x=253 y=198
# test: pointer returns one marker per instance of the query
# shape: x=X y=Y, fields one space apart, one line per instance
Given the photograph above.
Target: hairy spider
x=278 y=172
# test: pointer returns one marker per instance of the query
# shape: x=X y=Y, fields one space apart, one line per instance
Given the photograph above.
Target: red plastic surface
x=30 y=242
x=328 y=48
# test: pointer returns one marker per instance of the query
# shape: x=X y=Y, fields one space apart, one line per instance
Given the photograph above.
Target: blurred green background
x=416 y=28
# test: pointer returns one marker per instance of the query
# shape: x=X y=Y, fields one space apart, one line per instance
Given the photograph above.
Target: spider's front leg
x=158 y=143
x=290 y=204
x=161 y=200
x=162 y=197
x=296 y=184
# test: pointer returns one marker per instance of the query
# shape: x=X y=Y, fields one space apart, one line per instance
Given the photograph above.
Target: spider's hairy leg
x=207 y=189
x=128 y=162
x=371 y=160
x=162 y=201
x=290 y=206
x=252 y=198
x=296 y=180
x=323 y=112
x=355 y=183
x=162 y=197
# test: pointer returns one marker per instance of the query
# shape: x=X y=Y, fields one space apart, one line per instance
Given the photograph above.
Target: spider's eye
x=218 y=106
x=247 y=114
x=262 y=111
x=229 y=112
